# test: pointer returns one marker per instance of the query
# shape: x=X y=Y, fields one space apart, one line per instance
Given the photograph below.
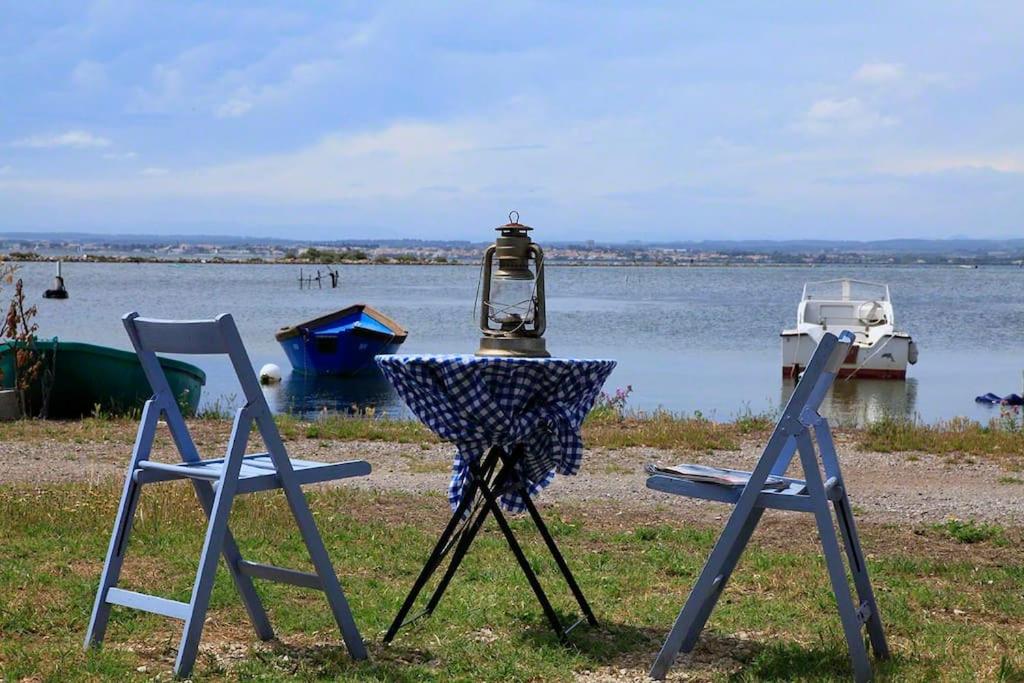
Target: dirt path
x=884 y=487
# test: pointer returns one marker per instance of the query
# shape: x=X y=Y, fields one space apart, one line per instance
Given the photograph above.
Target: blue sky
x=595 y=120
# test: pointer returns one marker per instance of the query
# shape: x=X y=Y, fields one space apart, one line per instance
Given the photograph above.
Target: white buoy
x=270 y=374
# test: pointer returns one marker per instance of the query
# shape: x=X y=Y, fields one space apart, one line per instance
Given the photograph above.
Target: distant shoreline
x=138 y=260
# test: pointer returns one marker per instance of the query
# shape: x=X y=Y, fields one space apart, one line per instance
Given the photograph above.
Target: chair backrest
x=191 y=337
x=809 y=393
x=821 y=371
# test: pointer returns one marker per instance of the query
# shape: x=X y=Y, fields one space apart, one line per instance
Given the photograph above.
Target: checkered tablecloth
x=476 y=403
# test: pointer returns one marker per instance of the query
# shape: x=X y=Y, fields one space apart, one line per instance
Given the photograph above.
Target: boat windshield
x=845 y=290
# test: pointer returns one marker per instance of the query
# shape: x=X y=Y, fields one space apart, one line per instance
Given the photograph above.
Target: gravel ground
x=884 y=487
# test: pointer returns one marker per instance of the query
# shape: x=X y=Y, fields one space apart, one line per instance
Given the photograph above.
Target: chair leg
x=115 y=560
x=705 y=592
x=725 y=572
x=232 y=557
x=834 y=560
x=122 y=525
x=859 y=569
x=322 y=565
x=310 y=534
x=205 y=574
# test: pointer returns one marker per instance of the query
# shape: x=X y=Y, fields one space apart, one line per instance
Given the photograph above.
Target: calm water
x=686 y=339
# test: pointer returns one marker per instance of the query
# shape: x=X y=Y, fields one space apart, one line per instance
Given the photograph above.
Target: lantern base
x=513 y=347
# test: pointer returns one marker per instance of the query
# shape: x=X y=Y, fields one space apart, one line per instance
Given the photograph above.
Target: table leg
x=560 y=561
x=480 y=474
x=469 y=534
x=440 y=550
x=549 y=612
x=538 y=521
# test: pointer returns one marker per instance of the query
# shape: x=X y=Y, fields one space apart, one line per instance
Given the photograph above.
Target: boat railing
x=845 y=290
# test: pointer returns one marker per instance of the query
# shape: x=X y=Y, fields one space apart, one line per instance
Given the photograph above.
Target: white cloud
x=915 y=165
x=166 y=93
x=120 y=156
x=409 y=160
x=89 y=75
x=77 y=139
x=842 y=115
x=233 y=108
x=879 y=73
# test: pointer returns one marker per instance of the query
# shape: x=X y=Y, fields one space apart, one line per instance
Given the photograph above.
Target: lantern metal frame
x=514 y=249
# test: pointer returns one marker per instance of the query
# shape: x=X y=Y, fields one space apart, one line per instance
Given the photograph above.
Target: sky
x=595 y=120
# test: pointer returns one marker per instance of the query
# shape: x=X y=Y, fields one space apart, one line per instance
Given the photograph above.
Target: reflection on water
x=311 y=395
x=860 y=401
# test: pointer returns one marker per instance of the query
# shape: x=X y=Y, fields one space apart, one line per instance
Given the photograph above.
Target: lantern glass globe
x=512 y=302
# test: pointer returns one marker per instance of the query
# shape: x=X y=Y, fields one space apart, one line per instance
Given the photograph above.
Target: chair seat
x=793 y=497
x=257 y=472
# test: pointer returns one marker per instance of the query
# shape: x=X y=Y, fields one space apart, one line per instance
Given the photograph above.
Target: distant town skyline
x=649 y=121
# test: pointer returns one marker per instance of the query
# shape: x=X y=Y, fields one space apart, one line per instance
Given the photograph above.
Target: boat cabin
x=845 y=304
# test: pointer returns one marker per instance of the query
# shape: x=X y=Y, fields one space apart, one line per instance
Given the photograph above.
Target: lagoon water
x=686 y=339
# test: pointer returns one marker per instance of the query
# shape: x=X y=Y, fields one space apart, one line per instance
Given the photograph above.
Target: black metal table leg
x=490 y=486
x=513 y=544
x=440 y=549
x=563 y=566
x=470 y=533
x=560 y=561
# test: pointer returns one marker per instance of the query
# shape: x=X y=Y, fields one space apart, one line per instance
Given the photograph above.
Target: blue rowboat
x=341 y=343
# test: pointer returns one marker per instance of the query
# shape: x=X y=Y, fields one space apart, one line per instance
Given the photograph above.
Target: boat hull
x=342 y=343
x=87 y=377
x=887 y=358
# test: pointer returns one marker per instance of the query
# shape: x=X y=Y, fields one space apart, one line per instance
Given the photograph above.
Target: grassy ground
x=952 y=596
x=1001 y=439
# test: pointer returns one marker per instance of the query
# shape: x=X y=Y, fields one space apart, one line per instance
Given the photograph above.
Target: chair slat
x=196 y=337
x=148 y=603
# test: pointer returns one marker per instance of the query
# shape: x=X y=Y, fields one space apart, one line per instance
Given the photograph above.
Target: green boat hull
x=87 y=378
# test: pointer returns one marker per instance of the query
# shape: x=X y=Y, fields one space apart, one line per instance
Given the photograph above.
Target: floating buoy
x=270 y=374
x=58 y=291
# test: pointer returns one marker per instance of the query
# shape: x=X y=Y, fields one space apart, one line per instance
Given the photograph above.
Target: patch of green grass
x=950 y=613
x=970 y=531
x=1010 y=480
x=958 y=441
x=343 y=428
x=956 y=436
x=662 y=429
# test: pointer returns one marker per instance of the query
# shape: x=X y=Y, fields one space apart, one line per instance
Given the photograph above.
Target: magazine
x=714 y=475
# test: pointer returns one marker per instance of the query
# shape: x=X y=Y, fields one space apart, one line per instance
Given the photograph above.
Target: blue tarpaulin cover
x=996 y=400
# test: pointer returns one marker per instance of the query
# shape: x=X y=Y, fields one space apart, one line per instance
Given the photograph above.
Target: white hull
x=887 y=358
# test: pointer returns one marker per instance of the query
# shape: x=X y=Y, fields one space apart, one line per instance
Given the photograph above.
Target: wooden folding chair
x=217 y=482
x=812 y=494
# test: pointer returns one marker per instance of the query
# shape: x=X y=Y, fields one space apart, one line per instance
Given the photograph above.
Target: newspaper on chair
x=714 y=475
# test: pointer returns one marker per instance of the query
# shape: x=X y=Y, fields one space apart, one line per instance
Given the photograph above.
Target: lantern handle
x=513 y=221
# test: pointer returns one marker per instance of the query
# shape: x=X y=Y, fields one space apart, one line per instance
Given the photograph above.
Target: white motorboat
x=863 y=308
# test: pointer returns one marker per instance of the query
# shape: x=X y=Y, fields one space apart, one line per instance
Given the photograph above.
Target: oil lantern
x=512 y=315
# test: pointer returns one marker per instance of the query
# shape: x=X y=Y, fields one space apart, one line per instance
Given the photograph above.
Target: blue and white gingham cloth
x=475 y=403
